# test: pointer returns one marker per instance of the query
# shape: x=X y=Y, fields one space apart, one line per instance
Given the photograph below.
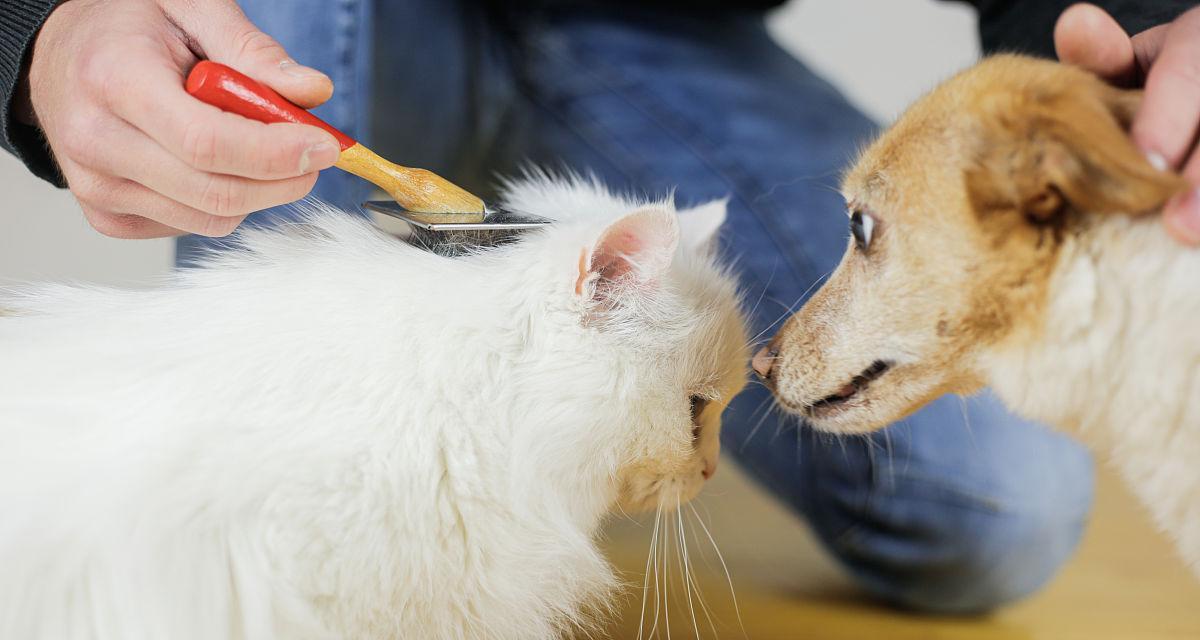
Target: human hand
x=145 y=159
x=1166 y=60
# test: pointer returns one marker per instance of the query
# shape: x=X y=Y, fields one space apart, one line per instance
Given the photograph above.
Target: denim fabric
x=959 y=508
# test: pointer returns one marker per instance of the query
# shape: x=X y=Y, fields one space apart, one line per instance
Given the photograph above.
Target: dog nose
x=763 y=361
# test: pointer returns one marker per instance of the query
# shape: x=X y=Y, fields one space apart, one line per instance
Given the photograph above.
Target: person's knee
x=935 y=514
x=1015 y=553
x=944 y=550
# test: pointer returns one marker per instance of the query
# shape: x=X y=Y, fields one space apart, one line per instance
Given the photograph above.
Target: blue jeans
x=959 y=508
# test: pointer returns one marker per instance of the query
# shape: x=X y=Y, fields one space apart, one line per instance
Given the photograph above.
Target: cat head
x=658 y=339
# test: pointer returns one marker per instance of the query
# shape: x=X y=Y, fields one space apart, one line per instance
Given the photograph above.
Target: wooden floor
x=1124 y=583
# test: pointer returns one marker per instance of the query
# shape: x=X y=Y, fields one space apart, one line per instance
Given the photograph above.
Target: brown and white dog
x=1003 y=236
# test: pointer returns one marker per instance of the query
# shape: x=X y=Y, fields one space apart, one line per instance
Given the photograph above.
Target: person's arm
x=19 y=23
x=1027 y=26
x=103 y=85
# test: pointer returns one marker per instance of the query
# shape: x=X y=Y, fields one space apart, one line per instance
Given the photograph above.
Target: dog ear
x=1071 y=151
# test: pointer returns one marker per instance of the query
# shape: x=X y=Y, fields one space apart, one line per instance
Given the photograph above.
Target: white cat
x=332 y=434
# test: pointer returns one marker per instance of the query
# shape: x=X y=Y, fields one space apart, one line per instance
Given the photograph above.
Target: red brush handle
x=231 y=91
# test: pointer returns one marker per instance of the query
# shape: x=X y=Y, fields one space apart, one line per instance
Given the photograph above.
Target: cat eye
x=698 y=404
x=862 y=227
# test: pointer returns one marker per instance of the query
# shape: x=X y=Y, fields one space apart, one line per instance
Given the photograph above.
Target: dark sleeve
x=1027 y=26
x=19 y=23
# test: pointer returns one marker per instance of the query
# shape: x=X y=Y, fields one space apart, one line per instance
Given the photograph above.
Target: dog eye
x=862 y=227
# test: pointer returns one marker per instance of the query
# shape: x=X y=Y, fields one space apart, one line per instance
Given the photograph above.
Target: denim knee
x=930 y=546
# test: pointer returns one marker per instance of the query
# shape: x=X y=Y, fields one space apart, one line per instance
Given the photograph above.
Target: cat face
x=651 y=341
x=650 y=285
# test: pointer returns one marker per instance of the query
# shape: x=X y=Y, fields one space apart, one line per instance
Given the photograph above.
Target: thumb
x=225 y=35
x=1086 y=36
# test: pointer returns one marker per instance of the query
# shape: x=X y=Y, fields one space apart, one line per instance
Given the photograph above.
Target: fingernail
x=1183 y=216
x=1157 y=160
x=291 y=68
x=319 y=156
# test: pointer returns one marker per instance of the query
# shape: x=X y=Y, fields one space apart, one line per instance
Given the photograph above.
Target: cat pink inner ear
x=638 y=246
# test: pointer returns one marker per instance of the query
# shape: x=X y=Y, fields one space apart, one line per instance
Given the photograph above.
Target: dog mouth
x=849 y=391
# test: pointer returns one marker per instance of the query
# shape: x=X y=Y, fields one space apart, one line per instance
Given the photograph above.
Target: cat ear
x=698 y=226
x=636 y=250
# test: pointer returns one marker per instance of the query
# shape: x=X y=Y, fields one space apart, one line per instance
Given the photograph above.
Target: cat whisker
x=814 y=178
x=689 y=577
x=684 y=575
x=758 y=383
x=812 y=286
x=707 y=511
x=658 y=531
x=646 y=578
x=769 y=403
x=788 y=310
x=666 y=583
x=787 y=313
x=758 y=336
x=770 y=279
x=629 y=517
x=728 y=577
x=699 y=595
x=703 y=556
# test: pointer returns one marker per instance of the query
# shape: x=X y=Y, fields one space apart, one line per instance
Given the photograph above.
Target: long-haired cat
x=329 y=433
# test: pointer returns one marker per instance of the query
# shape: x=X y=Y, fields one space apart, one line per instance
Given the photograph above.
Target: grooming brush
x=444 y=218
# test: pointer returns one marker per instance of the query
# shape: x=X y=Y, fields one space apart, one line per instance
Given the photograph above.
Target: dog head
x=957 y=215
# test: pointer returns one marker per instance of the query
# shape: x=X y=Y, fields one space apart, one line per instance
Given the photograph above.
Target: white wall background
x=882 y=53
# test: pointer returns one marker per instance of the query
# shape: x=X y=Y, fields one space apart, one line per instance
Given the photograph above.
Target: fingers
x=125 y=181
x=143 y=157
x=121 y=150
x=1182 y=213
x=1146 y=47
x=130 y=198
x=125 y=227
x=123 y=209
x=1086 y=36
x=1166 y=124
x=227 y=36
x=208 y=139
x=1182 y=217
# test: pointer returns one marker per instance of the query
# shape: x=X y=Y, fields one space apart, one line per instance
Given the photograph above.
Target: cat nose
x=763 y=361
x=710 y=467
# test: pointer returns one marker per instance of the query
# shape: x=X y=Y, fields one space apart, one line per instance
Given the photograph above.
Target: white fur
x=1118 y=360
x=331 y=434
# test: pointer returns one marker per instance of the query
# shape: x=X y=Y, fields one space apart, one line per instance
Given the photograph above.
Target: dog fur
x=1015 y=245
